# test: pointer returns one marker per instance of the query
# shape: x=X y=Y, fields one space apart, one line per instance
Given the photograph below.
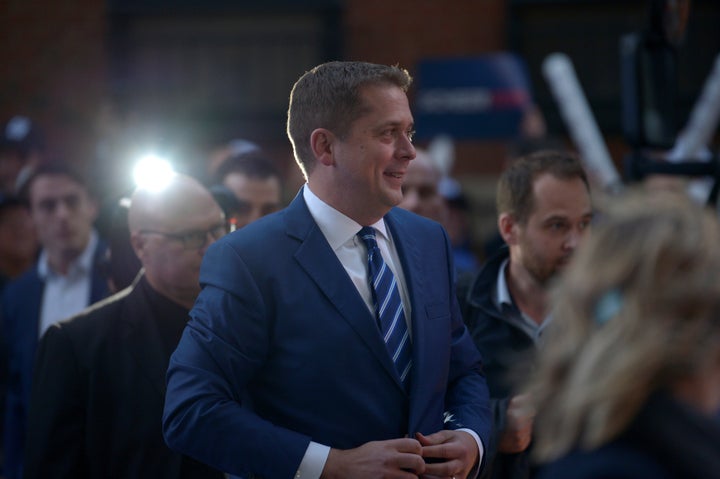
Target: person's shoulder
x=17 y=292
x=29 y=277
x=96 y=319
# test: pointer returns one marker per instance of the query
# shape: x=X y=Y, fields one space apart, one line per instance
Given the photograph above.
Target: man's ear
x=508 y=227
x=321 y=142
x=137 y=241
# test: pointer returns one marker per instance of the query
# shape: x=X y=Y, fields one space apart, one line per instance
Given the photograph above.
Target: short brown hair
x=515 y=187
x=328 y=96
x=54 y=168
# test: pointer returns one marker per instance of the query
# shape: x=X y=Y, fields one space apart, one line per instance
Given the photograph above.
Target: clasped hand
x=448 y=454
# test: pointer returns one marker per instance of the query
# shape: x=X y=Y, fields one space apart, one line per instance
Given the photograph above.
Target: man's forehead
x=560 y=196
x=55 y=184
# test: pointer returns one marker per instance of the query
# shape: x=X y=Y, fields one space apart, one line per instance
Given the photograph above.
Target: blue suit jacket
x=21 y=302
x=279 y=319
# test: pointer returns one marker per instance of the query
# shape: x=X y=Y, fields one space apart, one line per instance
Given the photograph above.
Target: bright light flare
x=152 y=173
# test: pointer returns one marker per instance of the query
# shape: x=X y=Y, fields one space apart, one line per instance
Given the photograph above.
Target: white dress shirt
x=502 y=297
x=66 y=295
x=341 y=233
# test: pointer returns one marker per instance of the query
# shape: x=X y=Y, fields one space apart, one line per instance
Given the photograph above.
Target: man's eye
x=411 y=135
x=72 y=202
x=47 y=205
x=195 y=236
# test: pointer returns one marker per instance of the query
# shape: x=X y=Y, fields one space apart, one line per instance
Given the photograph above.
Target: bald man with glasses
x=99 y=383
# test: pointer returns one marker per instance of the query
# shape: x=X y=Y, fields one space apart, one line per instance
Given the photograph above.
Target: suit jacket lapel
x=318 y=260
x=34 y=302
x=98 y=280
x=408 y=248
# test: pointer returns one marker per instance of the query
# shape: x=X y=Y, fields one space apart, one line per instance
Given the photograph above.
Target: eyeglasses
x=194 y=239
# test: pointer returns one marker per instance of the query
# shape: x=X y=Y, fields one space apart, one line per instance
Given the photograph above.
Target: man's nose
x=405 y=147
x=62 y=210
x=573 y=238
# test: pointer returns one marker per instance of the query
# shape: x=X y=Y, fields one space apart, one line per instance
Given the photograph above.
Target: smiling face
x=363 y=172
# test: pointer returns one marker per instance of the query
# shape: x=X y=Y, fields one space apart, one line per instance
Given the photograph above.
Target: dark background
x=109 y=80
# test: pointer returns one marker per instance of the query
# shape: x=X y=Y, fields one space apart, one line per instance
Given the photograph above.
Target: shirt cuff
x=481 y=452
x=313 y=461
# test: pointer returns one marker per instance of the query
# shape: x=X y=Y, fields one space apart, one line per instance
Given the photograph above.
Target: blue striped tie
x=388 y=306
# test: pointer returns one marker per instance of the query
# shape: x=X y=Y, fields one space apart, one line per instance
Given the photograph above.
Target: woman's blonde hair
x=636 y=311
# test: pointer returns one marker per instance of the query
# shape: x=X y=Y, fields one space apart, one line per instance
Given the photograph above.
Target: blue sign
x=481 y=97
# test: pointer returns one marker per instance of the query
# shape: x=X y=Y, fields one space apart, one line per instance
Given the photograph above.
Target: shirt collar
x=337 y=228
x=502 y=298
x=502 y=293
x=82 y=264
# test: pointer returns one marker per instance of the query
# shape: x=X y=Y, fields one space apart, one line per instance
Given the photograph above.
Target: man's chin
x=562 y=264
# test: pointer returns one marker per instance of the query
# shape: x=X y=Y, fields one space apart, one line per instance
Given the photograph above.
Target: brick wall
x=53 y=61
x=405 y=31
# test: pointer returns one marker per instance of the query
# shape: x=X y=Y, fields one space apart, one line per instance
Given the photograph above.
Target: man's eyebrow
x=395 y=123
x=555 y=217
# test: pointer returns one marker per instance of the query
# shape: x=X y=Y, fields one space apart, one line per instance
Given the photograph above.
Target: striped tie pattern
x=388 y=306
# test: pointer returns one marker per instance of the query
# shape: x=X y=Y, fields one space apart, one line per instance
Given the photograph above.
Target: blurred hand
x=519 y=418
x=454 y=454
x=393 y=459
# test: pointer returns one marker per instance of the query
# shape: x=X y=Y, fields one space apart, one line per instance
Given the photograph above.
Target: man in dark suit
x=99 y=383
x=66 y=279
x=289 y=318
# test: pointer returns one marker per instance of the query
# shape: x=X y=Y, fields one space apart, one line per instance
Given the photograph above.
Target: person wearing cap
x=21 y=150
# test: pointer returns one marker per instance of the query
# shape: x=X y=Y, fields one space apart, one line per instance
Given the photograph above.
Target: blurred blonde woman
x=628 y=384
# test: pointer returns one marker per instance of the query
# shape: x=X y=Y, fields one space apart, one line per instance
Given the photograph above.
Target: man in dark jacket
x=66 y=278
x=544 y=209
x=99 y=383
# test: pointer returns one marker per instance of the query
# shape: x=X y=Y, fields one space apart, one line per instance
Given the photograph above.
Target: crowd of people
x=212 y=331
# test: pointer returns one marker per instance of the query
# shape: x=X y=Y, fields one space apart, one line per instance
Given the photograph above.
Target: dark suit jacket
x=21 y=303
x=279 y=317
x=98 y=392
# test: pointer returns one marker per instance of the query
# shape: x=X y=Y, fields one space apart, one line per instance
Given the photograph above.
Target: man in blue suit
x=66 y=278
x=282 y=370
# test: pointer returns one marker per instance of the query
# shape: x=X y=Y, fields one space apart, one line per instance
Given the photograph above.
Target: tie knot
x=367 y=234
